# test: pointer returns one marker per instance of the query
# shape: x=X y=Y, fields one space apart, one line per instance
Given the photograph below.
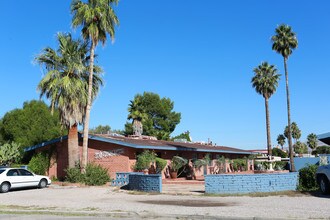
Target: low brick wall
x=250 y=183
x=146 y=183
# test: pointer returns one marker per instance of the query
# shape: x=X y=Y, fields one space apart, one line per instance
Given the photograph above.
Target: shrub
x=307 y=179
x=96 y=175
x=39 y=163
x=279 y=153
x=144 y=159
x=160 y=164
x=321 y=150
x=177 y=162
x=74 y=175
x=240 y=164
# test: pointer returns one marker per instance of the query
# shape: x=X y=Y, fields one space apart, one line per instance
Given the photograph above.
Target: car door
x=15 y=178
x=28 y=178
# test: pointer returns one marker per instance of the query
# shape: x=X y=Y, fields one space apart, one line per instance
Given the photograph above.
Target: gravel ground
x=108 y=201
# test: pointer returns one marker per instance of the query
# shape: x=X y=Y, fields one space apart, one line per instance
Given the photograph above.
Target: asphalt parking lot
x=189 y=203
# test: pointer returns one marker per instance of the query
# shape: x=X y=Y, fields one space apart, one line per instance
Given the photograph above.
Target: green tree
x=284 y=42
x=100 y=129
x=97 y=19
x=160 y=119
x=300 y=148
x=66 y=83
x=9 y=153
x=137 y=114
x=265 y=82
x=279 y=153
x=312 y=141
x=184 y=135
x=295 y=131
x=281 y=140
x=31 y=125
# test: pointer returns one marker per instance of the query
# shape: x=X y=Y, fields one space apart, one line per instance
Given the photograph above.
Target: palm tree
x=97 y=19
x=265 y=82
x=281 y=140
x=137 y=114
x=284 y=41
x=65 y=85
x=312 y=141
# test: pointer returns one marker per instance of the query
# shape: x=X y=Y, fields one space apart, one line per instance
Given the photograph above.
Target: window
x=25 y=172
x=13 y=172
x=1 y=171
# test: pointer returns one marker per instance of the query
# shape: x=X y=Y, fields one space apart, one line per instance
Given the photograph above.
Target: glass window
x=1 y=171
x=13 y=172
x=25 y=172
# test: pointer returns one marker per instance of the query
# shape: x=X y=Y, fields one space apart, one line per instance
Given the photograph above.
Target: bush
x=321 y=150
x=160 y=164
x=279 y=153
x=307 y=179
x=144 y=159
x=74 y=175
x=39 y=163
x=96 y=175
x=240 y=164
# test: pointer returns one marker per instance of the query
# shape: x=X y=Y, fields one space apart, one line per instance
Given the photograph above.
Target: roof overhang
x=136 y=146
x=325 y=138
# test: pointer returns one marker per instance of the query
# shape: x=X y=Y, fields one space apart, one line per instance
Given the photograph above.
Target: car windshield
x=1 y=171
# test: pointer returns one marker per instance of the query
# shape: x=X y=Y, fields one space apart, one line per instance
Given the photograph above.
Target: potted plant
x=176 y=163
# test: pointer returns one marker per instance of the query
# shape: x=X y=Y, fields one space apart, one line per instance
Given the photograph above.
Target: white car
x=12 y=178
x=323 y=178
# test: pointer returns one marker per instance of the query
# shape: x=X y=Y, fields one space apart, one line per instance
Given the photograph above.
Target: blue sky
x=200 y=54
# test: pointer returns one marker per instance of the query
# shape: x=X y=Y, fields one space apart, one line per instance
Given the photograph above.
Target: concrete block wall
x=146 y=183
x=122 y=179
x=250 y=183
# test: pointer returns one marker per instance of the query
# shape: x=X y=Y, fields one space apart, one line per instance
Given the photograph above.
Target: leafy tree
x=97 y=19
x=279 y=153
x=31 y=125
x=100 y=129
x=265 y=82
x=184 y=135
x=9 y=153
x=66 y=83
x=281 y=140
x=295 y=131
x=160 y=119
x=300 y=148
x=284 y=42
x=312 y=141
x=321 y=150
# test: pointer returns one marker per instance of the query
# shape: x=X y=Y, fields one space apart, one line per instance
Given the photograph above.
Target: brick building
x=118 y=153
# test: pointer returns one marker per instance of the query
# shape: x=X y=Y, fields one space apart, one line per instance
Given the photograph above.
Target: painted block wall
x=146 y=183
x=250 y=183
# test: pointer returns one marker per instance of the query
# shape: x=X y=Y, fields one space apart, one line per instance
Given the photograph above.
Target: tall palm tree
x=65 y=85
x=265 y=82
x=284 y=42
x=97 y=19
x=137 y=114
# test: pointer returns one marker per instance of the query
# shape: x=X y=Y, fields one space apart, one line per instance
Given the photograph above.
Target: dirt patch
x=187 y=203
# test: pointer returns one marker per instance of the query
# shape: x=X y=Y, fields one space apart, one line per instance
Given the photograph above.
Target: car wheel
x=42 y=183
x=324 y=185
x=5 y=187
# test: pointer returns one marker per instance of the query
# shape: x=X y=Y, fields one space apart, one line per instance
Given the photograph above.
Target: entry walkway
x=181 y=186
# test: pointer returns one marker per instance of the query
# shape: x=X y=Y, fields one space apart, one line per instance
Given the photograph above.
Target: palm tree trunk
x=269 y=142
x=88 y=109
x=293 y=169
x=73 y=149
